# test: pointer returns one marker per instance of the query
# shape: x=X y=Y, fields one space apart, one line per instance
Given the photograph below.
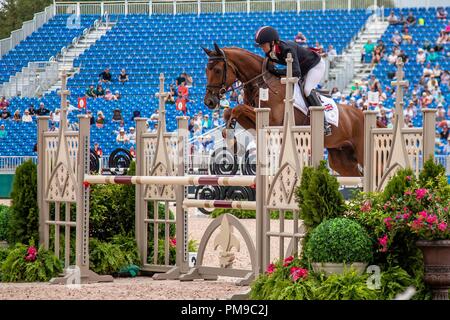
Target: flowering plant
x=289 y=267
x=31 y=254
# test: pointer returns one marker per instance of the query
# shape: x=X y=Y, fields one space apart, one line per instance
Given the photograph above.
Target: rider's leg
x=312 y=79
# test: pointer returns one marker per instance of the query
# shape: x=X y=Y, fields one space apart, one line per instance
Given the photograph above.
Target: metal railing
x=150 y=7
x=9 y=164
x=28 y=28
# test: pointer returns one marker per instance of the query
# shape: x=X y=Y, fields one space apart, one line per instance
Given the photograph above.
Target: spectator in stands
x=439 y=98
x=234 y=96
x=56 y=117
x=427 y=45
x=117 y=115
x=16 y=116
x=376 y=56
x=421 y=56
x=445 y=78
x=91 y=118
x=27 y=117
x=90 y=92
x=383 y=118
x=105 y=76
x=410 y=20
x=136 y=114
x=206 y=123
x=381 y=46
x=99 y=92
x=155 y=116
x=432 y=84
x=335 y=94
x=241 y=96
x=31 y=110
x=132 y=135
x=393 y=57
x=98 y=150
x=437 y=70
x=367 y=50
x=444 y=38
x=117 y=95
x=407 y=37
x=42 y=111
x=100 y=119
x=132 y=151
x=3 y=103
x=155 y=127
x=343 y=100
x=300 y=39
x=361 y=101
x=189 y=81
x=123 y=76
x=183 y=91
x=171 y=96
x=433 y=55
x=352 y=103
x=374 y=84
x=396 y=38
x=3 y=132
x=441 y=13
x=427 y=71
x=392 y=18
x=180 y=79
x=331 y=54
x=109 y=96
x=444 y=133
x=215 y=120
x=403 y=56
x=408 y=122
x=6 y=114
x=447 y=147
x=440 y=114
x=426 y=99
x=410 y=110
x=122 y=137
x=318 y=48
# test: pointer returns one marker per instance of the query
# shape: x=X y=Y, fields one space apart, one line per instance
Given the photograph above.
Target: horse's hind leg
x=344 y=162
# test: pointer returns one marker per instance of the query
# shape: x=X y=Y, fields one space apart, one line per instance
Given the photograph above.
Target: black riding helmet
x=266 y=34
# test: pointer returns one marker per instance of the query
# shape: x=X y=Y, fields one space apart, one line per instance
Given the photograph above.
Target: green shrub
x=346 y=286
x=4 y=219
x=394 y=281
x=318 y=196
x=430 y=174
x=339 y=240
x=24 y=217
x=192 y=247
x=398 y=184
x=16 y=268
x=128 y=246
x=108 y=258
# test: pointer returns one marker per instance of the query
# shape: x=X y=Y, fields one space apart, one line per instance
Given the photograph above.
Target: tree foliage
x=13 y=13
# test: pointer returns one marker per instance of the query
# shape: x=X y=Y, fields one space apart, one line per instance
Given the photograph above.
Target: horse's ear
x=207 y=51
x=217 y=49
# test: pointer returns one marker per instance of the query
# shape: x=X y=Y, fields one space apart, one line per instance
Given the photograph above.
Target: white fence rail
x=28 y=28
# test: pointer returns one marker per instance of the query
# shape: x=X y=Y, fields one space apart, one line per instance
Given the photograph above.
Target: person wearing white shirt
x=27 y=117
x=421 y=56
x=132 y=135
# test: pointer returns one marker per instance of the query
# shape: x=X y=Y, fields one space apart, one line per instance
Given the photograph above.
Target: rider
x=307 y=64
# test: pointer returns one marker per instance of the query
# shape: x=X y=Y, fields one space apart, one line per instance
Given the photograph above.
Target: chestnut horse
x=227 y=65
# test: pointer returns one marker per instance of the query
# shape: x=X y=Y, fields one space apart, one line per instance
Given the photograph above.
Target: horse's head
x=220 y=75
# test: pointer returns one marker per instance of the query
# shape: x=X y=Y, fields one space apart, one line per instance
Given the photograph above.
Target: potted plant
x=338 y=244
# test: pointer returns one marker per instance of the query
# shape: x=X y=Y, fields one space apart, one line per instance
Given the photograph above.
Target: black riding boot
x=314 y=101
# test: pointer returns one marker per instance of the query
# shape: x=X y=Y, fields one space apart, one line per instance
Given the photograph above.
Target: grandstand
x=146 y=45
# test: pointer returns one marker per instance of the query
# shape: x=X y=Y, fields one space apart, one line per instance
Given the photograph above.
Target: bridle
x=223 y=89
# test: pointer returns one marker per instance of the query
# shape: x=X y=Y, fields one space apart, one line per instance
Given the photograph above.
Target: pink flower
x=406 y=216
x=408 y=178
x=173 y=242
x=387 y=221
x=420 y=193
x=366 y=206
x=442 y=226
x=383 y=240
x=270 y=268
x=408 y=192
x=298 y=273
x=431 y=219
x=416 y=224
x=31 y=254
x=288 y=261
x=423 y=215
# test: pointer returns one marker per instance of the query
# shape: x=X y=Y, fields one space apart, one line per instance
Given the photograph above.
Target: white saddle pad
x=331 y=108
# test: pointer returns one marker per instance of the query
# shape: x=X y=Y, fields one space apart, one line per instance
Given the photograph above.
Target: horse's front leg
x=242 y=114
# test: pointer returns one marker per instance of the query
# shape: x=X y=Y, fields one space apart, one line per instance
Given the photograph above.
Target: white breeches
x=313 y=77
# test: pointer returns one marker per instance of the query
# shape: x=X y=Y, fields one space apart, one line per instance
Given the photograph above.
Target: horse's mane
x=249 y=53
